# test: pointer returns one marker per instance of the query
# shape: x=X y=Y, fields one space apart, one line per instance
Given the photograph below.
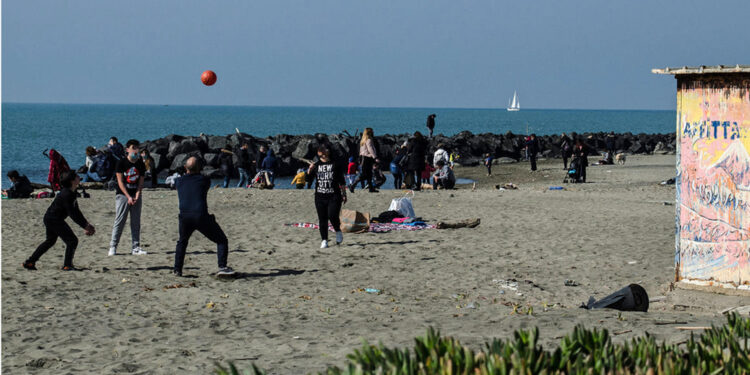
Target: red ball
x=208 y=78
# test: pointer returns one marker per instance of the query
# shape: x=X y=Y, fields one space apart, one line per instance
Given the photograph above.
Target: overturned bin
x=713 y=176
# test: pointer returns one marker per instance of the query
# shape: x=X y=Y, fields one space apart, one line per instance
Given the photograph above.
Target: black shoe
x=374 y=191
x=69 y=268
x=29 y=266
x=351 y=188
x=177 y=273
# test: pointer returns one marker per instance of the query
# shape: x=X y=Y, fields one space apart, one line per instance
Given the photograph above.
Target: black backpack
x=104 y=165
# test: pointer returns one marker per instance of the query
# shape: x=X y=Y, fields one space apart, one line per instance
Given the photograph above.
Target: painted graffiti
x=713 y=184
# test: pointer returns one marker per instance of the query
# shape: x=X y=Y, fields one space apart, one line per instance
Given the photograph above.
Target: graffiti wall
x=713 y=181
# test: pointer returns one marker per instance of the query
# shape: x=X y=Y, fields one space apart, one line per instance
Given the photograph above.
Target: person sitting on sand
x=330 y=194
x=444 y=178
x=270 y=164
x=64 y=205
x=20 y=188
x=299 y=179
x=378 y=178
x=192 y=189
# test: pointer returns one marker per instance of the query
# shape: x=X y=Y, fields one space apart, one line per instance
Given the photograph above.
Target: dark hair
x=533 y=135
x=13 y=174
x=440 y=163
x=145 y=151
x=132 y=142
x=114 y=139
x=325 y=151
x=418 y=136
x=67 y=178
x=90 y=151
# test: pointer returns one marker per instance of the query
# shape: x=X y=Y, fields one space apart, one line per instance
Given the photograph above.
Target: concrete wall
x=713 y=180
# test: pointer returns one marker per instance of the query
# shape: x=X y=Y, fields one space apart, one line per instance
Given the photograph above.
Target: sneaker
x=112 y=251
x=69 y=268
x=138 y=251
x=324 y=244
x=29 y=266
x=225 y=271
x=339 y=237
x=177 y=273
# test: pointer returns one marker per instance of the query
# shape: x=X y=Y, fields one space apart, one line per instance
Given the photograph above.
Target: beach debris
x=49 y=307
x=622 y=332
x=556 y=188
x=632 y=262
x=742 y=310
x=630 y=298
x=305 y=297
x=692 y=328
x=511 y=284
x=125 y=280
x=147 y=289
x=569 y=282
x=668 y=322
x=472 y=305
x=373 y=290
x=510 y=186
x=468 y=223
x=666 y=203
x=210 y=305
x=657 y=299
x=224 y=295
x=175 y=286
x=668 y=182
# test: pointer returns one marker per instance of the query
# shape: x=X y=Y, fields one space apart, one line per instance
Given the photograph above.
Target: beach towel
x=374 y=227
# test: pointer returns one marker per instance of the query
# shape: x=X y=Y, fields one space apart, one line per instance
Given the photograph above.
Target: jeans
x=328 y=207
x=226 y=181
x=55 y=229
x=398 y=179
x=206 y=225
x=122 y=209
x=350 y=179
x=243 y=177
x=92 y=176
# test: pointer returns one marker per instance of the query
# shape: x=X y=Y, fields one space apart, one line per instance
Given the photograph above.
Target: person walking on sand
x=64 y=205
x=415 y=151
x=192 y=189
x=532 y=148
x=566 y=149
x=244 y=165
x=368 y=153
x=581 y=151
x=130 y=173
x=431 y=123
x=330 y=193
x=488 y=163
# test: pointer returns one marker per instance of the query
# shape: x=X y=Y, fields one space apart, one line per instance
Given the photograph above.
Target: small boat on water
x=514 y=104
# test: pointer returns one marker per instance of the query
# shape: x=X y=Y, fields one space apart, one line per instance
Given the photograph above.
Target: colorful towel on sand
x=374 y=227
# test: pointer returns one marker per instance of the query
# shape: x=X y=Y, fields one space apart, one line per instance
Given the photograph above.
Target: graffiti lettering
x=712 y=130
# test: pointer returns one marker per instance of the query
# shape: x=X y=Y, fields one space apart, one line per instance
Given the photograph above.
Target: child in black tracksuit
x=330 y=193
x=64 y=205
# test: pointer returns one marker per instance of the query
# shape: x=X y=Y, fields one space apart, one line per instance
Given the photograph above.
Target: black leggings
x=366 y=175
x=207 y=226
x=55 y=229
x=398 y=178
x=329 y=208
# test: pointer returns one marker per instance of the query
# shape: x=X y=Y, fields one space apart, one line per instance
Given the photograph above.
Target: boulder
x=212 y=159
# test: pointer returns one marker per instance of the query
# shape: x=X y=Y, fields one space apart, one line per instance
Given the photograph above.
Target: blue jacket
x=270 y=163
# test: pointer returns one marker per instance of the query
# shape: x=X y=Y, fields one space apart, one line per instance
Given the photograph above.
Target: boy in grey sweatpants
x=130 y=172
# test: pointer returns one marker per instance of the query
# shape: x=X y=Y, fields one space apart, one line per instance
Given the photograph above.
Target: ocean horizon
x=30 y=128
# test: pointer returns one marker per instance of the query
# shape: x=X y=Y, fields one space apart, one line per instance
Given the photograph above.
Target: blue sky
x=436 y=53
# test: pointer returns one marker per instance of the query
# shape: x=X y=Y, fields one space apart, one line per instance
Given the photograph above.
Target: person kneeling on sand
x=64 y=205
x=444 y=177
x=192 y=189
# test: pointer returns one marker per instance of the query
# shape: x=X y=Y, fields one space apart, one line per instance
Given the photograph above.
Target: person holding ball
x=64 y=205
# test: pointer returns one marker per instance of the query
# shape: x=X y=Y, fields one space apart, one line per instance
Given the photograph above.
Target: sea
x=29 y=129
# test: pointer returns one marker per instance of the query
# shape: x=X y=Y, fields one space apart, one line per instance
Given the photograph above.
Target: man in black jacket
x=64 y=205
x=244 y=164
x=192 y=189
x=532 y=146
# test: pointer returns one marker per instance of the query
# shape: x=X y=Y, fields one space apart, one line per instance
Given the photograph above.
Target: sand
x=296 y=308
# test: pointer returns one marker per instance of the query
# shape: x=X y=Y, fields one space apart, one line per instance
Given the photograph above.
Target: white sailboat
x=514 y=105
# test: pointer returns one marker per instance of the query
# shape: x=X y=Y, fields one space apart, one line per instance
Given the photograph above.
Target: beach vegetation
x=718 y=350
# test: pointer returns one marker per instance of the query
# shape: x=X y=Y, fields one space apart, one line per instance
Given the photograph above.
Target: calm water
x=28 y=129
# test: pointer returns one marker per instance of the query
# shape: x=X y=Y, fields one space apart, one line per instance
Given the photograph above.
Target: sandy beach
x=296 y=308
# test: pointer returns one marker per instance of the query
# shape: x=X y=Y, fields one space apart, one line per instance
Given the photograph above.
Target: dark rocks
x=170 y=152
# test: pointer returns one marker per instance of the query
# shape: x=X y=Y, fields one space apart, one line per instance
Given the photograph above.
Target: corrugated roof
x=704 y=69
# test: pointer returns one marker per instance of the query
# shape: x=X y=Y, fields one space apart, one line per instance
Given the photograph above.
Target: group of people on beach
x=130 y=173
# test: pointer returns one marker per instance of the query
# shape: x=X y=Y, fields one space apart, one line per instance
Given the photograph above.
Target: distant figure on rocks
x=130 y=172
x=57 y=166
x=566 y=149
x=64 y=205
x=532 y=148
x=20 y=188
x=415 y=153
x=330 y=194
x=226 y=164
x=192 y=189
x=367 y=154
x=150 y=164
x=431 y=123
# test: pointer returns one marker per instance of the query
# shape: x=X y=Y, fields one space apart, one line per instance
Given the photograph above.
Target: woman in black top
x=581 y=151
x=64 y=205
x=330 y=193
x=415 y=151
